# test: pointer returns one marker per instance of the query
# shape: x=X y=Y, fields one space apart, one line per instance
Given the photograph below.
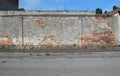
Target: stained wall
x=57 y=28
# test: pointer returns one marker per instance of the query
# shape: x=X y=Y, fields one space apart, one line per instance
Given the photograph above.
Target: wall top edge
x=4 y=13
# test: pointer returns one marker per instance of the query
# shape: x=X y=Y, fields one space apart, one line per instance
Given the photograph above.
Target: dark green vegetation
x=100 y=11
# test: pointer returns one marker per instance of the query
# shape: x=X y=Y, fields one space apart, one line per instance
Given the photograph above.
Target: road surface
x=63 y=65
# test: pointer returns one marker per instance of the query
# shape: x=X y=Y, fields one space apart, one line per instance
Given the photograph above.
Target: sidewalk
x=61 y=55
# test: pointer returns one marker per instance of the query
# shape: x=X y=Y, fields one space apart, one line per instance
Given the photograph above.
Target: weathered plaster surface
x=57 y=28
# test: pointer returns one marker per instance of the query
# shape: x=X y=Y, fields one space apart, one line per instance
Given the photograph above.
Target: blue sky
x=68 y=4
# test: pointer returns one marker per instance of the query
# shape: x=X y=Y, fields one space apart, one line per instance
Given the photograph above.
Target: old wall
x=56 y=28
x=114 y=21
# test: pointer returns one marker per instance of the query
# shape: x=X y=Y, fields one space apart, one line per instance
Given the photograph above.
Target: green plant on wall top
x=99 y=11
x=21 y=9
x=115 y=7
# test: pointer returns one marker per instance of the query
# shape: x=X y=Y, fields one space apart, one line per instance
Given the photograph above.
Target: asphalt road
x=60 y=66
